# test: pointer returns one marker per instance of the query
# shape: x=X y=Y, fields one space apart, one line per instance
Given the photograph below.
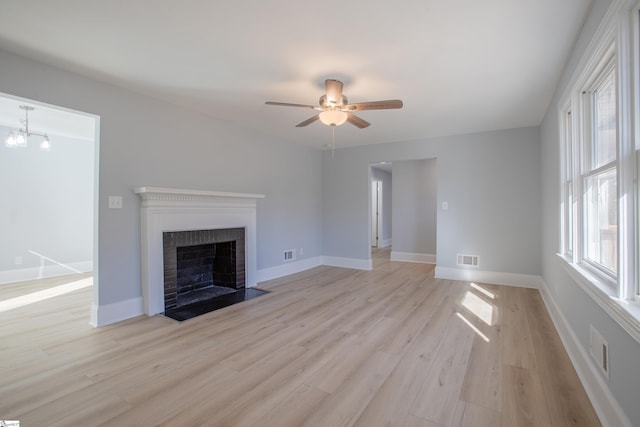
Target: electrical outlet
x=301 y=251
x=17 y=260
x=115 y=202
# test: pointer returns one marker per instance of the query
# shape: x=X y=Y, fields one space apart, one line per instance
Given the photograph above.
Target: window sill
x=625 y=313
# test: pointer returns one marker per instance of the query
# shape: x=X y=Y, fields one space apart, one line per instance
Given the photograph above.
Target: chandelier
x=20 y=138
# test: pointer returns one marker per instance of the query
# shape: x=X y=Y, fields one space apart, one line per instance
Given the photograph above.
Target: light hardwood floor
x=327 y=347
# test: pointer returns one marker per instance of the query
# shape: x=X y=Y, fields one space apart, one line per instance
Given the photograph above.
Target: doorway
x=376 y=213
x=380 y=209
x=48 y=214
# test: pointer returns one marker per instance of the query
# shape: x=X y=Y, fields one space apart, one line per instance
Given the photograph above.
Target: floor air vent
x=289 y=255
x=468 y=260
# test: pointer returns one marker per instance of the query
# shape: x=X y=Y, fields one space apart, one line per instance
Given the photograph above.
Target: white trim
x=605 y=405
x=168 y=209
x=597 y=47
x=35 y=273
x=491 y=277
x=386 y=242
x=413 y=257
x=288 y=268
x=625 y=313
x=102 y=315
x=164 y=193
x=355 y=263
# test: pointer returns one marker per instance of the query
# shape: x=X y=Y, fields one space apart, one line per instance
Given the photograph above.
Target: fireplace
x=194 y=212
x=202 y=264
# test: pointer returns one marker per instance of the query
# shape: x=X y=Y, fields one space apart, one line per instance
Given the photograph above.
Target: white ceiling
x=460 y=66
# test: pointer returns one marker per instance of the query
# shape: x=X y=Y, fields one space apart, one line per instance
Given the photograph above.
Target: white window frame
x=617 y=39
x=568 y=213
x=586 y=168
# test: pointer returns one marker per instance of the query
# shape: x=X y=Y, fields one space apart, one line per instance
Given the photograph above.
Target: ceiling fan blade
x=287 y=104
x=375 y=105
x=334 y=90
x=357 y=121
x=308 y=121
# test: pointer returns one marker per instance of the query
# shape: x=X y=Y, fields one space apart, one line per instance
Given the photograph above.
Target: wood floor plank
x=517 y=348
x=437 y=398
x=523 y=400
x=326 y=347
x=483 y=379
x=470 y=415
x=389 y=405
x=294 y=409
x=344 y=406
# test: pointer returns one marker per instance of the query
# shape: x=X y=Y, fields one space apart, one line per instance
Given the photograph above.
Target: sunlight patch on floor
x=483 y=291
x=34 y=297
x=472 y=326
x=479 y=307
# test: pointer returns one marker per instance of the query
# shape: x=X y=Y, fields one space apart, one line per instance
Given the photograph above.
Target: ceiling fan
x=335 y=109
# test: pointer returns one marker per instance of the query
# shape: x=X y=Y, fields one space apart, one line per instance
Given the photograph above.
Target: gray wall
x=415 y=206
x=145 y=142
x=46 y=204
x=491 y=181
x=577 y=307
x=387 y=198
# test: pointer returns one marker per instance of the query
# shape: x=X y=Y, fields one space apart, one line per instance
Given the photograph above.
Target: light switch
x=445 y=206
x=115 y=202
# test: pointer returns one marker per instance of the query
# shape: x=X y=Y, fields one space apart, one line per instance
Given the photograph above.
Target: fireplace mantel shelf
x=162 y=191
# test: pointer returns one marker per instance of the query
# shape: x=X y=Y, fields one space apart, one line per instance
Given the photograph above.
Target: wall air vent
x=468 y=260
x=289 y=255
x=599 y=349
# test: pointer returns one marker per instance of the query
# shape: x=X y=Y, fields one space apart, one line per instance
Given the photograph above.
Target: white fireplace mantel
x=171 y=209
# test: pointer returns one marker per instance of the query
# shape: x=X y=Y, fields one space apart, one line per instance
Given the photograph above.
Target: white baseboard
x=102 y=315
x=605 y=405
x=413 y=257
x=355 y=263
x=289 y=268
x=492 y=277
x=52 y=270
x=386 y=243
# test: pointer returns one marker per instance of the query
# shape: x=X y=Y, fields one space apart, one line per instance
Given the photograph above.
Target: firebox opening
x=200 y=265
x=205 y=271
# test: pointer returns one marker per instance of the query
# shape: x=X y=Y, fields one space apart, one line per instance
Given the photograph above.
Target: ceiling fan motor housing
x=327 y=103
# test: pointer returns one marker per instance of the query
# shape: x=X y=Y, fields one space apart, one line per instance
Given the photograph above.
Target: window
x=568 y=209
x=599 y=122
x=599 y=177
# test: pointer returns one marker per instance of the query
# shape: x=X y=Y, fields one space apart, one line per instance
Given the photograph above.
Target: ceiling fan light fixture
x=333 y=117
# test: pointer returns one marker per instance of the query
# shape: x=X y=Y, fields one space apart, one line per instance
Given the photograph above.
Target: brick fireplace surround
x=171 y=210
